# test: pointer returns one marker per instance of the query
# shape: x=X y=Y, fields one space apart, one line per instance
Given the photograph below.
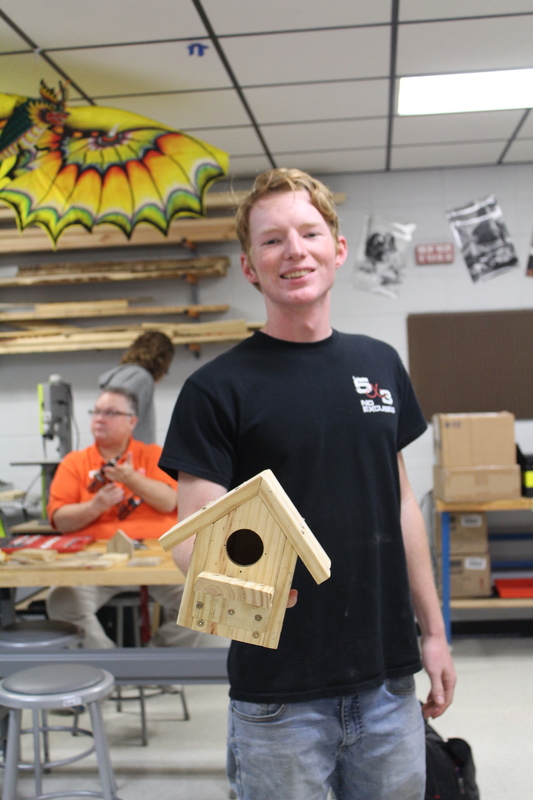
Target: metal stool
x=39 y=634
x=56 y=686
x=133 y=600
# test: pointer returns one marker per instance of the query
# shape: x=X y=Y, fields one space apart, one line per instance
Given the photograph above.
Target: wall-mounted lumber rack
x=106 y=271
x=187 y=232
x=57 y=338
x=27 y=312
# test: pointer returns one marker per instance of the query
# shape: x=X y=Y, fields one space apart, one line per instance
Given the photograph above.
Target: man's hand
x=121 y=473
x=109 y=495
x=439 y=667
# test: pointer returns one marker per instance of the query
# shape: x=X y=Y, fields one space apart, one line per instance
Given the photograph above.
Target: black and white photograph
x=483 y=238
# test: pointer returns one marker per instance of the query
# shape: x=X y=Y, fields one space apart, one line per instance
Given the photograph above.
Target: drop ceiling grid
x=320 y=96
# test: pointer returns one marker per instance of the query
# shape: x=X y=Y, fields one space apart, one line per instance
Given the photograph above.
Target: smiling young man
x=334 y=707
x=90 y=495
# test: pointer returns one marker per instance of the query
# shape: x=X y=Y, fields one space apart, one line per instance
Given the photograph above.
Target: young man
x=90 y=495
x=334 y=706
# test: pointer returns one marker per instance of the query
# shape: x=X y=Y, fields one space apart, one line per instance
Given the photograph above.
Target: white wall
x=421 y=197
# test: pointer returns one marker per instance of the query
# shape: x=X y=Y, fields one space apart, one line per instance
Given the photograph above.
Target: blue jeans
x=367 y=746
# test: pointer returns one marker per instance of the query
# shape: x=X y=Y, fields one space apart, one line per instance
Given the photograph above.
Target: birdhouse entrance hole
x=244 y=547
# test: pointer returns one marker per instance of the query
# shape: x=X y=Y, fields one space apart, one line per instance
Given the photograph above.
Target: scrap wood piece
x=148 y=269
x=181 y=232
x=98 y=308
x=118 y=338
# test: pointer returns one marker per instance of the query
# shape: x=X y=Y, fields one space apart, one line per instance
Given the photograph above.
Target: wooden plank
x=101 y=308
x=183 y=231
x=149 y=269
x=118 y=339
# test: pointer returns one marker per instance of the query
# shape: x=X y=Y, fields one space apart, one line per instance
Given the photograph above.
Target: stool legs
x=12 y=755
x=107 y=777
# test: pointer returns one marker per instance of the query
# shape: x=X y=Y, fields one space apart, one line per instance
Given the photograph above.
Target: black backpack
x=450 y=770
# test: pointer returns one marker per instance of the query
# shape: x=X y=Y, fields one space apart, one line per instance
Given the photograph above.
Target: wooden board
x=19 y=312
x=106 y=271
x=183 y=231
x=119 y=338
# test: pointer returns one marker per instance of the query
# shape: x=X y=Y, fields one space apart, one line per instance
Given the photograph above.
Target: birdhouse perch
x=246 y=547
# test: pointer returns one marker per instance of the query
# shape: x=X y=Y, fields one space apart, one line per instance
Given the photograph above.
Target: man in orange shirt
x=114 y=484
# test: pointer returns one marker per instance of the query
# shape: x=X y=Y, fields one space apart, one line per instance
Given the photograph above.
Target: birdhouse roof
x=268 y=488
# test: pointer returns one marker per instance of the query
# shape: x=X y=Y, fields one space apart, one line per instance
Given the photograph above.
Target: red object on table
x=62 y=543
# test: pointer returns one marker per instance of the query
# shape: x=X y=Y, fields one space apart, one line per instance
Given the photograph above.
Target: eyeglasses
x=108 y=413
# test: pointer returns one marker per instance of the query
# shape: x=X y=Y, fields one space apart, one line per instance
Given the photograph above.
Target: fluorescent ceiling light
x=469 y=91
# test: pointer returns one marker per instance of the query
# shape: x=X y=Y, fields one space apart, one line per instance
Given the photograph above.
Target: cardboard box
x=470 y=575
x=468 y=533
x=471 y=440
x=477 y=484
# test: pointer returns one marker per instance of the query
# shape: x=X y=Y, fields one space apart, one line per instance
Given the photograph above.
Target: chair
x=137 y=602
x=48 y=687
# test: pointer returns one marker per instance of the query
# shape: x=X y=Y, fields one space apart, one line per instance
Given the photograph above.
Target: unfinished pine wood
x=183 y=231
x=112 y=338
x=245 y=551
x=258 y=594
x=100 y=308
x=109 y=271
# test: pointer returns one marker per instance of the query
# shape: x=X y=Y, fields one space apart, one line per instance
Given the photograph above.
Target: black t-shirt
x=328 y=418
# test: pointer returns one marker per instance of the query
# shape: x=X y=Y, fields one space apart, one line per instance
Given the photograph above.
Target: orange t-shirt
x=74 y=474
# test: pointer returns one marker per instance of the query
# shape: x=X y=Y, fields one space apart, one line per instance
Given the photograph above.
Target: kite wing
x=63 y=165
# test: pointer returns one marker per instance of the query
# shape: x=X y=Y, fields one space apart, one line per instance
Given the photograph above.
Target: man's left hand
x=439 y=667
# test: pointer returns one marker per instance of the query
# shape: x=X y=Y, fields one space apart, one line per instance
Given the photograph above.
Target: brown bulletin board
x=472 y=361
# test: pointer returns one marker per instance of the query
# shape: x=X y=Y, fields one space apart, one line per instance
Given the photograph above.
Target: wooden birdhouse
x=246 y=547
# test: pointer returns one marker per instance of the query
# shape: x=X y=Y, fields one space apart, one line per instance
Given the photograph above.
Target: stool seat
x=38 y=634
x=57 y=686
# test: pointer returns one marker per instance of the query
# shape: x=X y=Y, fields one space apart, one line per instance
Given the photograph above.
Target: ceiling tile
x=9 y=40
x=247 y=166
x=369 y=160
x=520 y=150
x=62 y=23
x=313 y=56
x=241 y=16
x=235 y=141
x=455 y=127
x=22 y=74
x=421 y=9
x=185 y=109
x=315 y=101
x=526 y=131
x=446 y=155
x=142 y=68
x=326 y=135
x=465 y=46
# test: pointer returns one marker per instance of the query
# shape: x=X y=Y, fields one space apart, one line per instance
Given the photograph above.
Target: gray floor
x=493 y=711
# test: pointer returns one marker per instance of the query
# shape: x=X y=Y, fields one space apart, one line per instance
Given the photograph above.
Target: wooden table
x=144 y=665
x=445 y=509
x=163 y=573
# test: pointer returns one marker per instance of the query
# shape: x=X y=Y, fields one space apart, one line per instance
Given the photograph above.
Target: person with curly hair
x=143 y=364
